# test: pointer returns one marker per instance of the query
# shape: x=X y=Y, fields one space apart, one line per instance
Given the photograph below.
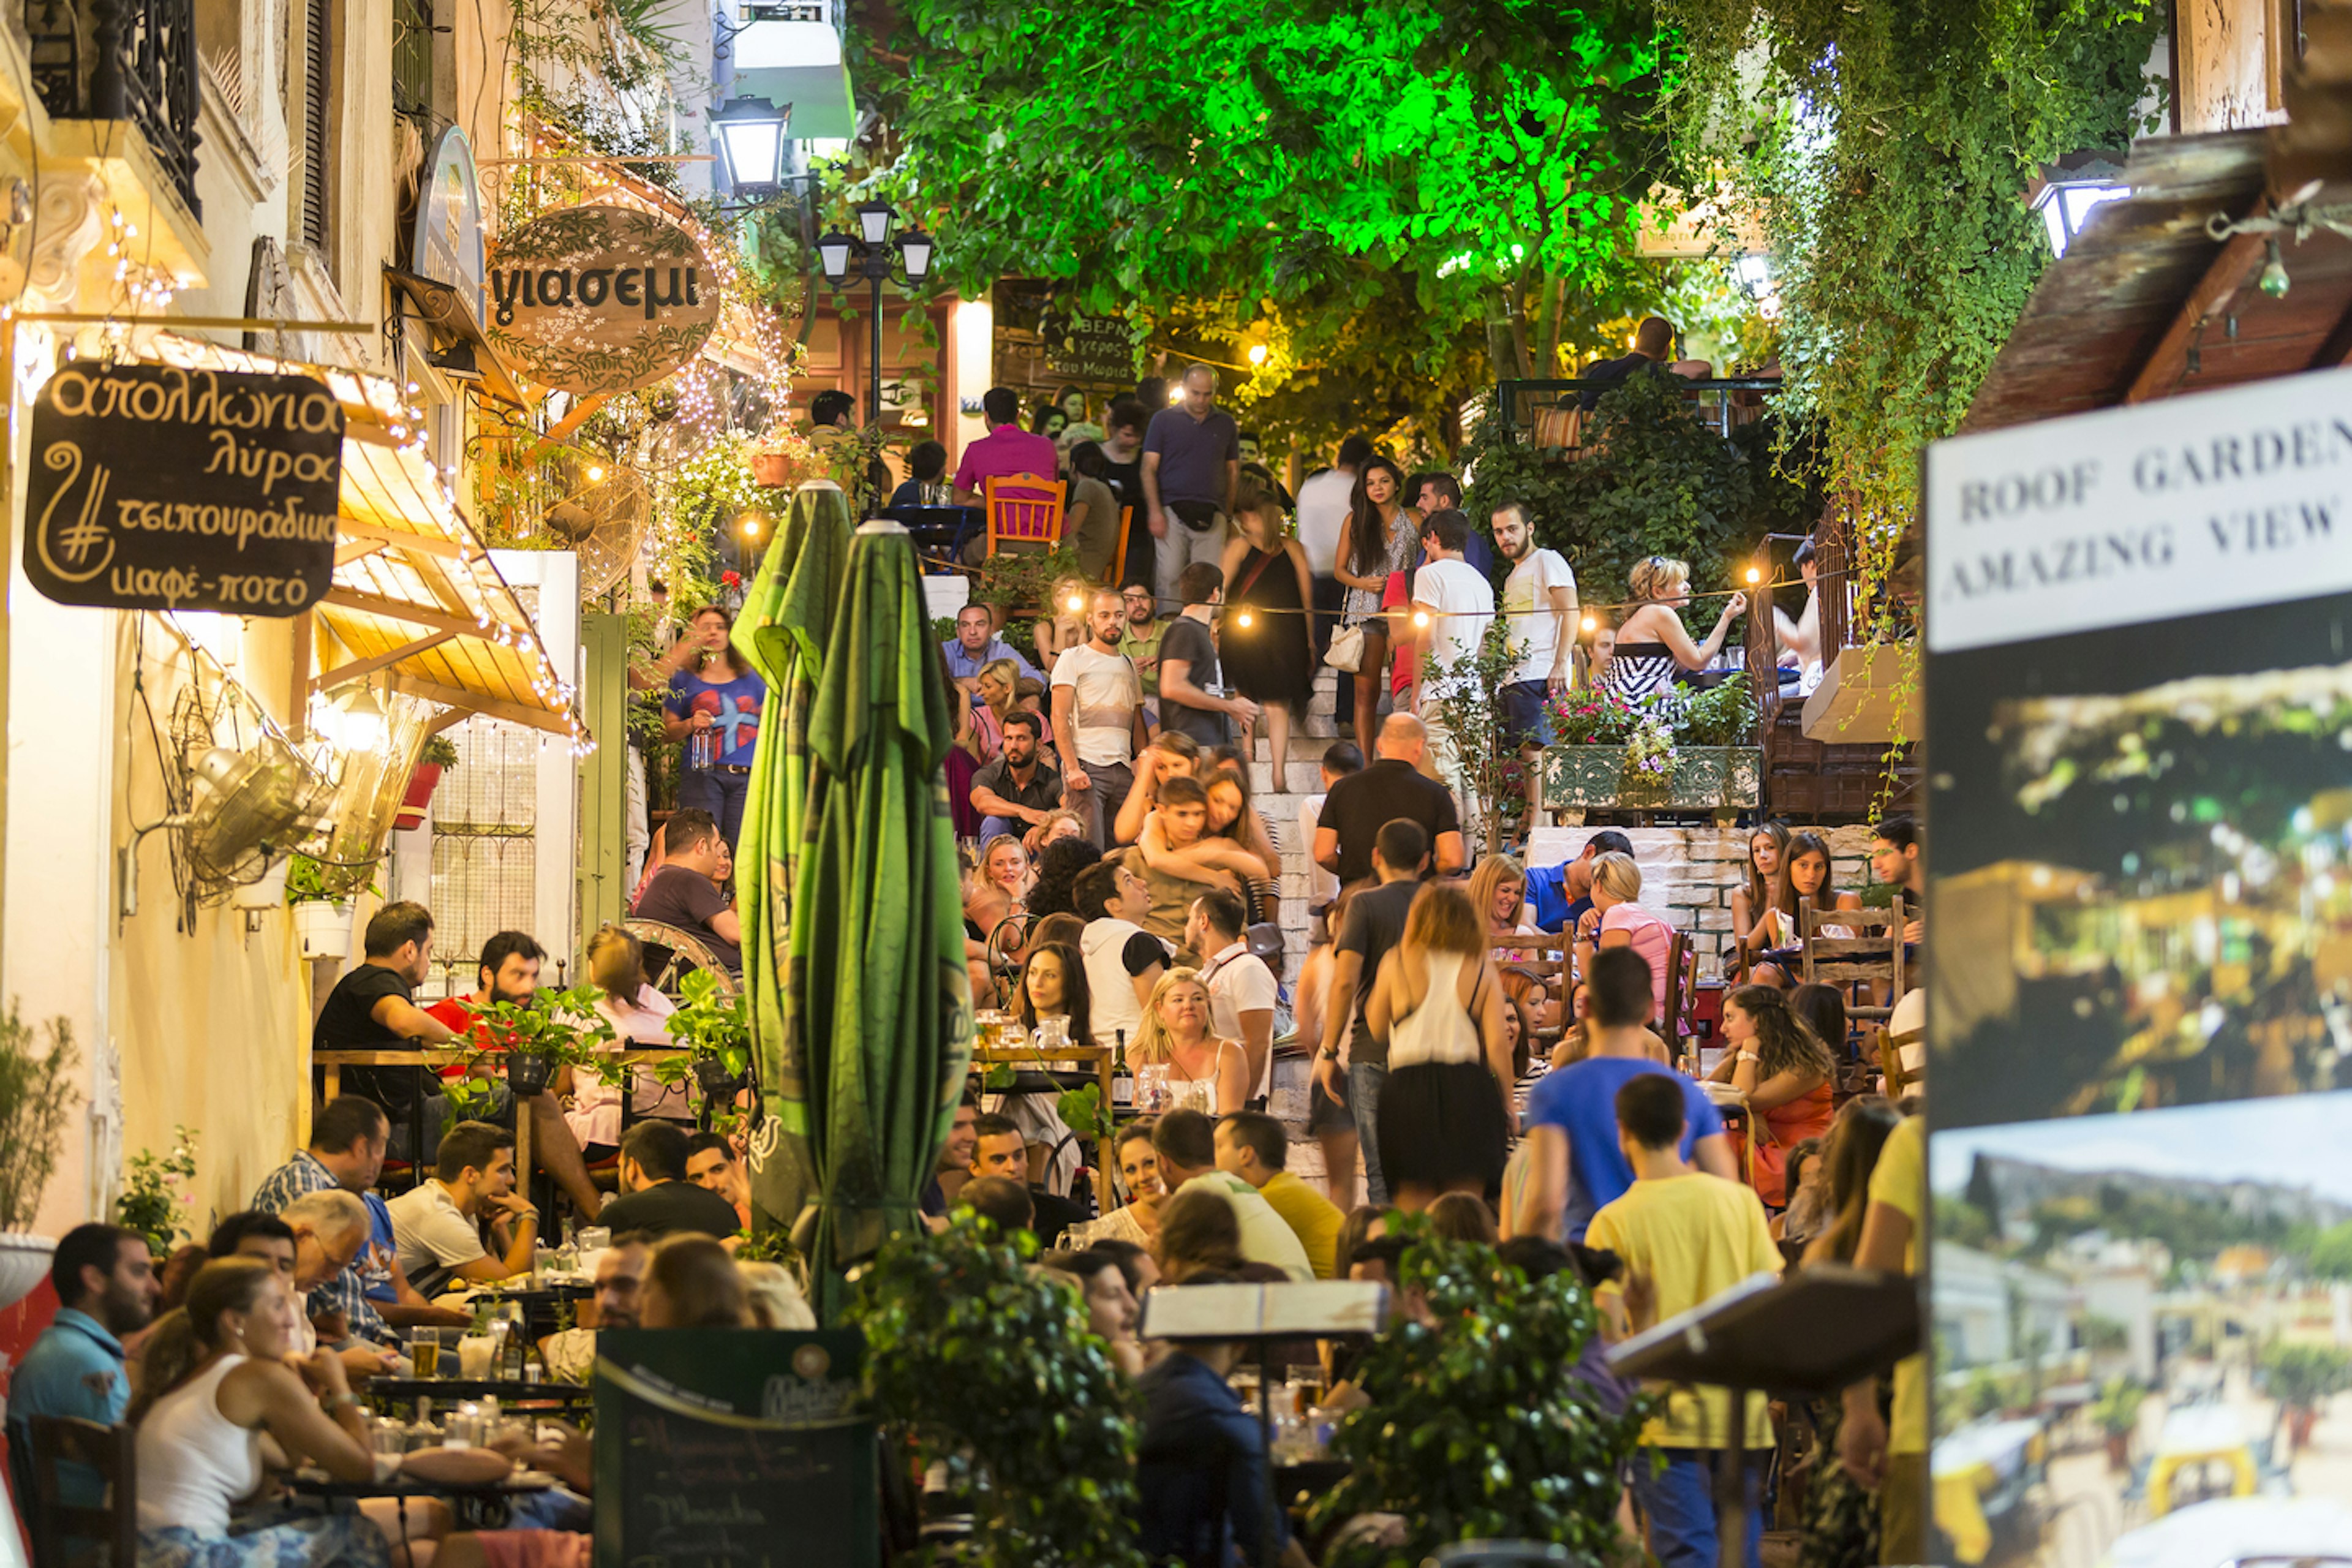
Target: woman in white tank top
x=216 y=1379
x=1445 y=1112
x=1202 y=1073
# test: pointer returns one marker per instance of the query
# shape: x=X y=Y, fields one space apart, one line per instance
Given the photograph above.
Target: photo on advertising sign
x=2142 y=1324
x=2139 y=944
x=150 y=486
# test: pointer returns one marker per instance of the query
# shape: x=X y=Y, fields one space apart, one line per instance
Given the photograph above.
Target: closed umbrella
x=782 y=632
x=878 y=986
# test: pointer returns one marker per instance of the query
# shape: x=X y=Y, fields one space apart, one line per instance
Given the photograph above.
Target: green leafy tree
x=1886 y=146
x=2331 y=1253
x=987 y=1366
x=1478 y=1426
x=1458 y=179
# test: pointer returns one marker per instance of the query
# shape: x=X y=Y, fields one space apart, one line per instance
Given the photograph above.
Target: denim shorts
x=1526 y=719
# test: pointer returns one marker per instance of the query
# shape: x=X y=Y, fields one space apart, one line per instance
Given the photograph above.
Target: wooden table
x=506 y=1390
x=1099 y=1056
x=424 y=1056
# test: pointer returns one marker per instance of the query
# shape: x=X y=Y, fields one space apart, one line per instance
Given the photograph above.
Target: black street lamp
x=749 y=135
x=869 y=254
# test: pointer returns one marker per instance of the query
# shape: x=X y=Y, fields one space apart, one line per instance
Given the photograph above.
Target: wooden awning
x=2146 y=304
x=416 y=596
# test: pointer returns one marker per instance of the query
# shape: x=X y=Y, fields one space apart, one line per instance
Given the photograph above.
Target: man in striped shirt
x=346 y=1152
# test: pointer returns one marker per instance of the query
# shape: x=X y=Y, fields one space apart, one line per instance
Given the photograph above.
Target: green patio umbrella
x=782 y=632
x=878 y=981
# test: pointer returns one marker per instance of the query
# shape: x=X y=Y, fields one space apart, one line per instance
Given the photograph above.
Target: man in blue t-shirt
x=1558 y=896
x=1576 y=1164
x=106 y=1286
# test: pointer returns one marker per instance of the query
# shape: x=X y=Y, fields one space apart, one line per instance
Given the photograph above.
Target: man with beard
x=509 y=971
x=1016 y=790
x=620 y=1274
x=105 y=1287
x=1540 y=598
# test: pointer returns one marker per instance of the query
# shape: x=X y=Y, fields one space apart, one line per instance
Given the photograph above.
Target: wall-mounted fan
x=600 y=510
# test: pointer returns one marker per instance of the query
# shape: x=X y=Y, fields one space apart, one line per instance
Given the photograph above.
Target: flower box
x=1704 y=778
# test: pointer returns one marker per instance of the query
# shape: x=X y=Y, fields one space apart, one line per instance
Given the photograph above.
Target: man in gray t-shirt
x=1193 y=696
x=1192 y=463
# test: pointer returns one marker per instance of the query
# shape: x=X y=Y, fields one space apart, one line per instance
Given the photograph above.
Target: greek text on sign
x=155 y=488
x=2180 y=507
x=600 y=298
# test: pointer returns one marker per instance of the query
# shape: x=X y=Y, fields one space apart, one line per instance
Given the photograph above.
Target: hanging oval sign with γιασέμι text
x=600 y=298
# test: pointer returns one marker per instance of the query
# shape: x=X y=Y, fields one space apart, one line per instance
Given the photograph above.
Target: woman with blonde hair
x=1205 y=1073
x=1498 y=891
x=220 y=1373
x=640 y=1018
x=998 y=686
x=1445 y=1112
x=1652 y=644
x=998 y=886
x=1617 y=919
x=1138 y=1220
x=776 y=1296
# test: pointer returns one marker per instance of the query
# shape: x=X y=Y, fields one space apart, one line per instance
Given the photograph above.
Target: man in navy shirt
x=1192 y=463
x=1200 y=1470
x=1553 y=904
x=106 y=1286
x=1577 y=1164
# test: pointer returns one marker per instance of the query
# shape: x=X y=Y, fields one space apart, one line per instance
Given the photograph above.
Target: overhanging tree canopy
x=1393 y=176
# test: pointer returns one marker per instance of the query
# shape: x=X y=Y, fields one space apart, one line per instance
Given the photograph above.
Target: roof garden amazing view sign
x=600 y=298
x=155 y=488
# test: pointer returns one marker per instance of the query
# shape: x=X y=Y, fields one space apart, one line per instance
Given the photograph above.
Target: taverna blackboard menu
x=152 y=487
x=733 y=1450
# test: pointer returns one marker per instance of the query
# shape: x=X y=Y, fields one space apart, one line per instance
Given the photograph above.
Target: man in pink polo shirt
x=1005 y=449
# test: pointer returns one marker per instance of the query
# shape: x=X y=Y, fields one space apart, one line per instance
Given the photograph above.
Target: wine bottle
x=1122 y=1078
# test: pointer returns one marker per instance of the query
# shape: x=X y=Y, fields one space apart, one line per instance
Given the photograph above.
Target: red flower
x=730 y=579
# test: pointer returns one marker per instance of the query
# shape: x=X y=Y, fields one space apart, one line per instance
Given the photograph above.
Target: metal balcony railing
x=123 y=60
x=1723 y=403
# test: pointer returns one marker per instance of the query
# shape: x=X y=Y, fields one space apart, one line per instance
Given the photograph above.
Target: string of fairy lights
x=1246 y=615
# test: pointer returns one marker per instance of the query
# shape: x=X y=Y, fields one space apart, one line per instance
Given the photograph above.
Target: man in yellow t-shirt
x=1891 y=1456
x=1256 y=1147
x=1685 y=1237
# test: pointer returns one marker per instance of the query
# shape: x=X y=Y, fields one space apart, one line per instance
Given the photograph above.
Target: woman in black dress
x=1265 y=643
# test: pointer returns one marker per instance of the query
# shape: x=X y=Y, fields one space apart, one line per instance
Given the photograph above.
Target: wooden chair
x=108 y=1534
x=1541 y=960
x=1872 y=958
x=1682 y=986
x=1024 y=511
x=670 y=950
x=1119 y=551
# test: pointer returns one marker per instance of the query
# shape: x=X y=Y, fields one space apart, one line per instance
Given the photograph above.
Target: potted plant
x=440 y=753
x=154 y=1197
x=322 y=918
x=985 y=1364
x=715 y=1030
x=2302 y=1378
x=783 y=459
x=36 y=1100
x=1483 y=1387
x=1669 y=751
x=545 y=1031
x=2116 y=1411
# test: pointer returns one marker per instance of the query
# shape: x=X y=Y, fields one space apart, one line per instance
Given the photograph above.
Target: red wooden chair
x=1118 y=552
x=1024 y=511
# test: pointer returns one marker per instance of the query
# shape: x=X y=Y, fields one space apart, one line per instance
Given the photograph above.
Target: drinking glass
x=426 y=1349
x=475 y=1354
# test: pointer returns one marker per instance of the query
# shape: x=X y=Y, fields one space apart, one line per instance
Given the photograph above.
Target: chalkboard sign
x=155 y=488
x=734 y=1448
x=1039 y=346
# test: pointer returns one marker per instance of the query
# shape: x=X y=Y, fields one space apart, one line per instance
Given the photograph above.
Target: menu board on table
x=2139 y=937
x=739 y=1450
x=150 y=486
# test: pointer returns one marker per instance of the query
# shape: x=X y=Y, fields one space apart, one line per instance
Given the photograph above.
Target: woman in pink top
x=1616 y=920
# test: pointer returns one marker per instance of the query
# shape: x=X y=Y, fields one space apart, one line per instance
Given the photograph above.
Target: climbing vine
x=1888 y=148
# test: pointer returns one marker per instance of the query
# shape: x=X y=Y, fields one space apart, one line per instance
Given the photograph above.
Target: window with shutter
x=318 y=78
